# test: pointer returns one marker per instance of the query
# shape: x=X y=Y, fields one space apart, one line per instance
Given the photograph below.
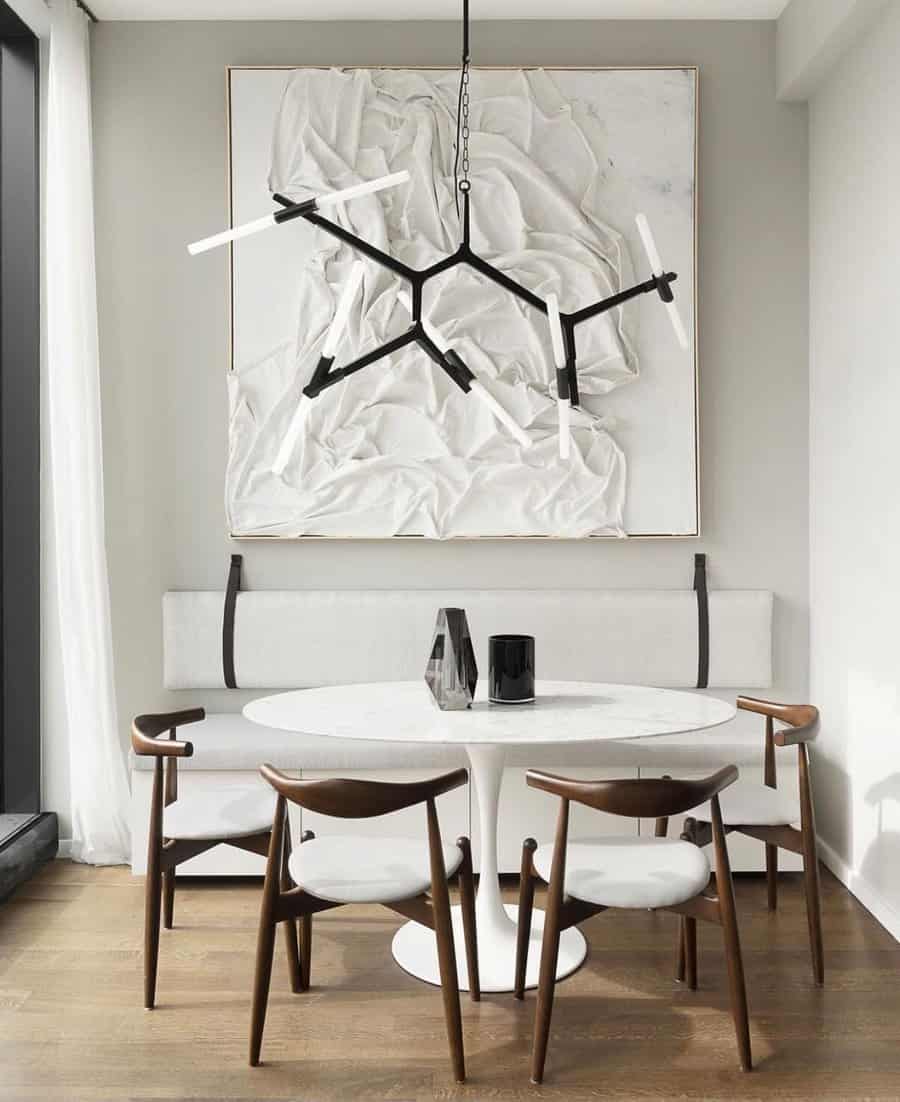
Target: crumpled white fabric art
x=397 y=449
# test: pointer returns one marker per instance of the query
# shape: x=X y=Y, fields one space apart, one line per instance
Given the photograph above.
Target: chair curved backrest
x=146 y=729
x=802 y=719
x=649 y=798
x=346 y=798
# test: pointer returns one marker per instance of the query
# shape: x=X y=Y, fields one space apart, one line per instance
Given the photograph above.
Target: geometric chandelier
x=421 y=332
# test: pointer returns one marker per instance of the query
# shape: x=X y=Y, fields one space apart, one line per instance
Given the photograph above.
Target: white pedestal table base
x=414 y=946
x=415 y=950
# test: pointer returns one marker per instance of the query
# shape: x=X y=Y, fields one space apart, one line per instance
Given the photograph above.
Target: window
x=19 y=428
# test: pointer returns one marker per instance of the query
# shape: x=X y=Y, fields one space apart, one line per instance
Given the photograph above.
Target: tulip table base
x=415 y=951
x=414 y=946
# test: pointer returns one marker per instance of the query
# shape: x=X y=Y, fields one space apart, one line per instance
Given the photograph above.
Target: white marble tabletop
x=564 y=711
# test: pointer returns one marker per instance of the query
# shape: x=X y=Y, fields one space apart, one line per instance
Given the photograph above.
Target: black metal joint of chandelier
x=567 y=377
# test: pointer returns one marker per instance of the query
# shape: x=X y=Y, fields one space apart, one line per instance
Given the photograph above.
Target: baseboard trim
x=871 y=898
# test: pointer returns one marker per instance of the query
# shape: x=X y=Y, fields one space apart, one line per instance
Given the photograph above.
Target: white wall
x=159 y=147
x=855 y=463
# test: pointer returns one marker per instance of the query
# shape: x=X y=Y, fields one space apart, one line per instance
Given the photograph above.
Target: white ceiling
x=437 y=9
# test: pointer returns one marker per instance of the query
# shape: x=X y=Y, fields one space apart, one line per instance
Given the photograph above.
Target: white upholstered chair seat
x=231 y=811
x=366 y=869
x=745 y=803
x=636 y=872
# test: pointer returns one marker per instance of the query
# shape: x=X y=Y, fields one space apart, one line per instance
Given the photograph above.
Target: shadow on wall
x=882 y=859
x=832 y=797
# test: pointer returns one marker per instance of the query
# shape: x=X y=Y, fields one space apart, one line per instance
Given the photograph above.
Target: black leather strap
x=702 y=621
x=231 y=592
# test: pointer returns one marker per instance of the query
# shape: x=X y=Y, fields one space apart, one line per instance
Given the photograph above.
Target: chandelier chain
x=465 y=184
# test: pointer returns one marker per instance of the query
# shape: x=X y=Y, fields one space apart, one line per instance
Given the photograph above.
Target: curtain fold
x=98 y=778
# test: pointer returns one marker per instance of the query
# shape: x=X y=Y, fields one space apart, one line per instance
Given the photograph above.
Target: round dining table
x=562 y=712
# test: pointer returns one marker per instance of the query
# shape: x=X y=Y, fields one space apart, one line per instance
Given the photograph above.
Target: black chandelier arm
x=442 y=265
x=502 y=279
x=318 y=383
x=295 y=210
x=660 y=284
x=448 y=361
x=567 y=377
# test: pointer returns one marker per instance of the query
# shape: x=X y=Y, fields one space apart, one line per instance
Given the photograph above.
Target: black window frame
x=20 y=365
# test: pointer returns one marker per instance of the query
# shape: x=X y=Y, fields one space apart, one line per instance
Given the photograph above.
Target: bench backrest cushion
x=304 y=638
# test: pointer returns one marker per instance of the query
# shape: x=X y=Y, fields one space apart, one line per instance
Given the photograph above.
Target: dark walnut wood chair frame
x=163 y=854
x=639 y=799
x=802 y=727
x=283 y=902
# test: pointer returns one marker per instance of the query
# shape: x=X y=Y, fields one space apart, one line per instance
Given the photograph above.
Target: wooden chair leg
x=688 y=834
x=680 y=963
x=265 y=945
x=265 y=950
x=306 y=933
x=168 y=888
x=443 y=930
x=813 y=907
x=689 y=927
x=811 y=869
x=295 y=969
x=152 y=901
x=153 y=888
x=550 y=946
x=546 y=990
x=728 y=916
x=772 y=876
x=526 y=906
x=467 y=901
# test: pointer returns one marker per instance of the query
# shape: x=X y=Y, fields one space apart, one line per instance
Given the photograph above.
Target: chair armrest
x=802 y=719
x=145 y=730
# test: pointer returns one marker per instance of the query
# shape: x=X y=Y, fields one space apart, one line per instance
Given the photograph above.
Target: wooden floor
x=71 y=1023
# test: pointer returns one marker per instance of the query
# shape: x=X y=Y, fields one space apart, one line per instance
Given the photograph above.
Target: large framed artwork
x=561 y=162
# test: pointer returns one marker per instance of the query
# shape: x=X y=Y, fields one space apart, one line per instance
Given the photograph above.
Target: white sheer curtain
x=99 y=785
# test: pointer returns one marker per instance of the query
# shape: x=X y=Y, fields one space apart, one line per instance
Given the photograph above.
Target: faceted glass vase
x=451 y=673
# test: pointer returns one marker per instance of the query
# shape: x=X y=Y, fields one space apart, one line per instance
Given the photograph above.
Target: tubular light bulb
x=235 y=234
x=656 y=266
x=292 y=435
x=564 y=409
x=339 y=321
x=556 y=333
x=365 y=188
x=322 y=202
x=475 y=386
x=563 y=405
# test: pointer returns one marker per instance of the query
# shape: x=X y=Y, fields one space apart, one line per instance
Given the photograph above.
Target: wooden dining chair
x=638 y=872
x=238 y=815
x=769 y=813
x=406 y=875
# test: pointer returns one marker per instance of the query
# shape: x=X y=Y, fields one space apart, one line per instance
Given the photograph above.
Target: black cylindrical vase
x=511 y=674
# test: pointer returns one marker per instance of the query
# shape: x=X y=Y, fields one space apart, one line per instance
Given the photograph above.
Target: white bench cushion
x=363 y=869
x=306 y=638
x=229 y=811
x=745 y=803
x=229 y=742
x=633 y=872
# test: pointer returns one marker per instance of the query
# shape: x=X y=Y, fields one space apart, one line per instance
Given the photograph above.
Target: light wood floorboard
x=72 y=1026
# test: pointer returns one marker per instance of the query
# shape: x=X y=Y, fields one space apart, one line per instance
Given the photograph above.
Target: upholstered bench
x=286 y=640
